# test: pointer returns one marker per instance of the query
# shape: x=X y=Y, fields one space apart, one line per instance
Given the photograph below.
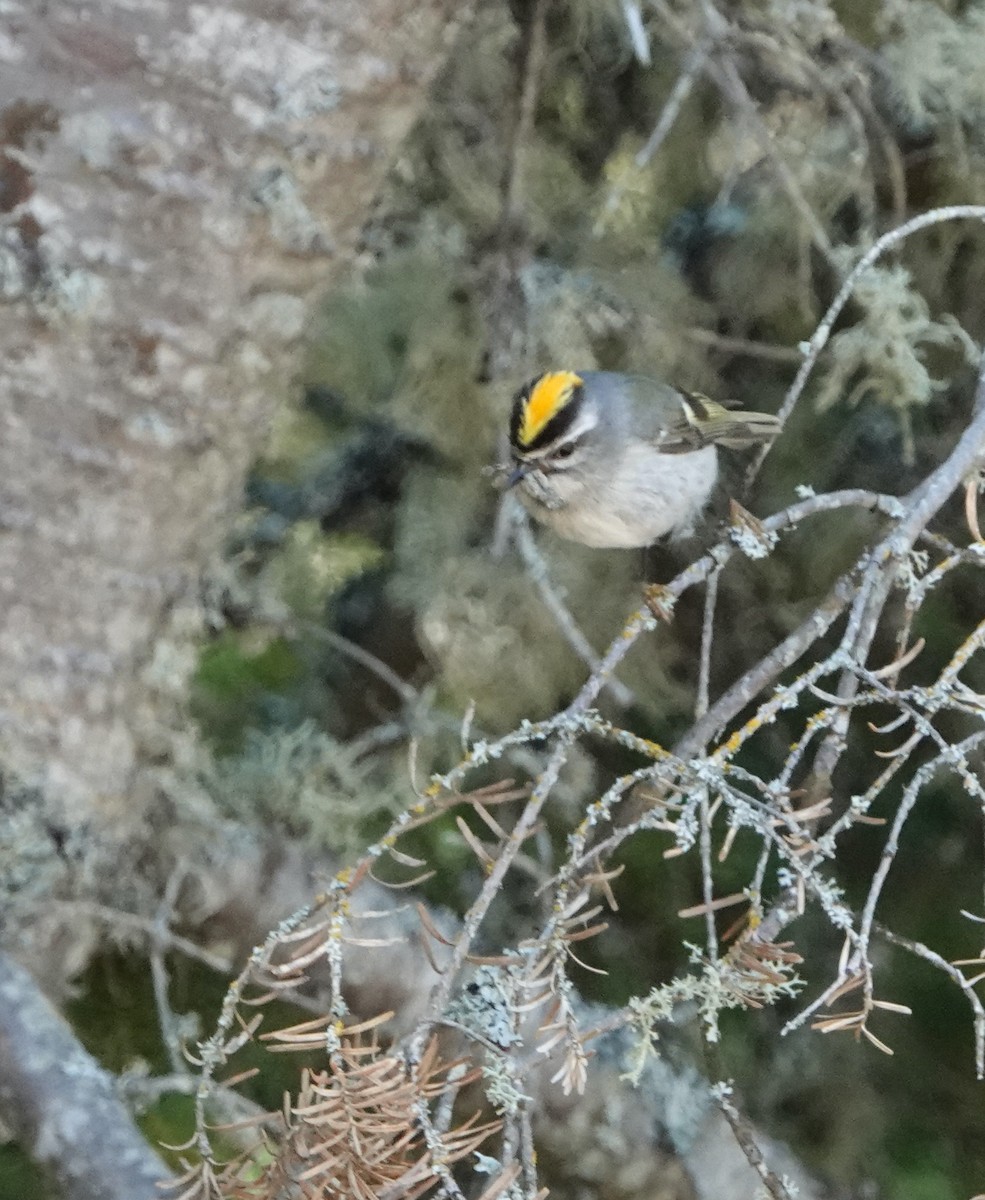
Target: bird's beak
x=516 y=475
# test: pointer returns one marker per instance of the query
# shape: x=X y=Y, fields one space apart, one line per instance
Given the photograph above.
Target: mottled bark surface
x=177 y=180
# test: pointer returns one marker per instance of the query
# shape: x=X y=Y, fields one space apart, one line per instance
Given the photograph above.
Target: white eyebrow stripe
x=583 y=422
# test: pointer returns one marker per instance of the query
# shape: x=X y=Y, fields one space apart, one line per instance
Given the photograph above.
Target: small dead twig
x=748 y=1145
x=564 y=619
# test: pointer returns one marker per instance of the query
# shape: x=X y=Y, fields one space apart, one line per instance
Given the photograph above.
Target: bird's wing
x=680 y=421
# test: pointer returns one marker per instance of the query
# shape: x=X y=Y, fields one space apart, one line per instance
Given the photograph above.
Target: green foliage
x=237 y=675
x=632 y=193
x=919 y=1175
x=298 y=439
x=19 y=1178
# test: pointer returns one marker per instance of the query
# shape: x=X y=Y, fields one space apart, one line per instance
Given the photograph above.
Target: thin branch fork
x=864 y=593
x=920 y=507
x=821 y=335
x=699 y=571
x=953 y=973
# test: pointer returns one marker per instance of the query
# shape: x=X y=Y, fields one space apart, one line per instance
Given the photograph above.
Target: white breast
x=645 y=497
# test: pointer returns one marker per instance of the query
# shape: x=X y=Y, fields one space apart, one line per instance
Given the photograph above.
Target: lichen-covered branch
x=63 y=1106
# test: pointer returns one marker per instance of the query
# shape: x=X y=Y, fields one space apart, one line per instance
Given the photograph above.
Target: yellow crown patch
x=547 y=397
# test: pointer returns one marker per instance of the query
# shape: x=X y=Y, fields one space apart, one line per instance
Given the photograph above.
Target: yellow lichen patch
x=654 y=749
x=547 y=397
x=734 y=742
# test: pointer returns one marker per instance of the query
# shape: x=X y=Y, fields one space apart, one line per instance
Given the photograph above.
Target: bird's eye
x=565 y=451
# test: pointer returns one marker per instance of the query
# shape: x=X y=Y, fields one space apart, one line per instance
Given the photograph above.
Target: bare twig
x=694 y=64
x=506 y=314
x=952 y=972
x=376 y=666
x=707 y=636
x=819 y=339
x=537 y=570
x=768 y=669
x=726 y=76
x=747 y=1143
x=946 y=758
x=920 y=507
x=514 y=180
x=170 y=1029
x=722 y=71
x=699 y=571
x=147 y=926
x=741 y=346
x=637 y=31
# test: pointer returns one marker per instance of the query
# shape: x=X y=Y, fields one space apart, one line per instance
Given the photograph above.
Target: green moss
x=917 y=1173
x=19 y=1178
x=237 y=675
x=298 y=438
x=229 y=666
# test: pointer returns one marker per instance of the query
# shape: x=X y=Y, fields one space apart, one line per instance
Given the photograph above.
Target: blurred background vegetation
x=506 y=243
x=499 y=250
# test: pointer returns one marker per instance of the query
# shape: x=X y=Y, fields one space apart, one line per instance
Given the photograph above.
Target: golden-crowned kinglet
x=618 y=460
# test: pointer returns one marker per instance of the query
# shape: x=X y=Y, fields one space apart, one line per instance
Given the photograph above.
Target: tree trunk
x=177 y=181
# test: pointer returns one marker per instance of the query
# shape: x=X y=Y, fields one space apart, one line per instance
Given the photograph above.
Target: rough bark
x=177 y=180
